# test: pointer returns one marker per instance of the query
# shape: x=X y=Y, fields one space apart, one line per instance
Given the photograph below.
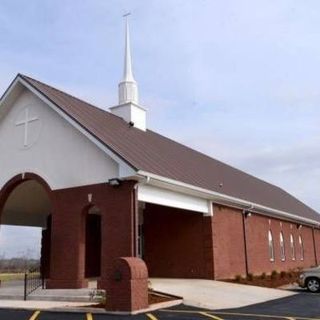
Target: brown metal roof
x=154 y=153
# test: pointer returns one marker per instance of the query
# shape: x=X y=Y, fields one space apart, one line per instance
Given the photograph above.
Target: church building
x=103 y=185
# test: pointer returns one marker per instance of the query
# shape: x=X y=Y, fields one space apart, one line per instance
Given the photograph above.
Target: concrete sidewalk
x=42 y=305
x=217 y=294
x=198 y=293
x=13 y=290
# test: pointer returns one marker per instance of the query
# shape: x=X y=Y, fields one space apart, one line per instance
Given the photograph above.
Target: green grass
x=11 y=276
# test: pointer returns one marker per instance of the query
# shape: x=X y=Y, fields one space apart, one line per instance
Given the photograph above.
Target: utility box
x=127 y=289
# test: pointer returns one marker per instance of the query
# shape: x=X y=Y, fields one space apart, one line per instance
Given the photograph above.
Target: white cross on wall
x=26 y=123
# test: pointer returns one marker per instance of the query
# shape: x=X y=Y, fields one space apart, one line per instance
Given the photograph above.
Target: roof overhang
x=222 y=199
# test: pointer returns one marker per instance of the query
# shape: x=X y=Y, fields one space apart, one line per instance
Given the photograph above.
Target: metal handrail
x=33 y=279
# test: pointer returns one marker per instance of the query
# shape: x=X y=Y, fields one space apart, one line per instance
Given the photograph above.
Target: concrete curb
x=153 y=307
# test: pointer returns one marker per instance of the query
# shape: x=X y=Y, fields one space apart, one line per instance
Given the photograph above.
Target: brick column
x=45 y=250
x=117 y=229
x=67 y=267
x=208 y=249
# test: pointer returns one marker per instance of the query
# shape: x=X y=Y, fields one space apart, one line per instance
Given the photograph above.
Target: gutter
x=222 y=199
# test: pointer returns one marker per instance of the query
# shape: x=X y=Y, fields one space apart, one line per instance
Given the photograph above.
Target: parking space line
x=151 y=316
x=237 y=314
x=263 y=316
x=35 y=315
x=89 y=316
x=210 y=316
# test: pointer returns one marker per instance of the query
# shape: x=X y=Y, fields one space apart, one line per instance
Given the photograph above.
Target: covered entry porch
x=175 y=234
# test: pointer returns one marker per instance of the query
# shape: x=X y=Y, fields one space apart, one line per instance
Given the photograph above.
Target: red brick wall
x=117 y=207
x=174 y=243
x=257 y=235
x=208 y=247
x=46 y=249
x=228 y=243
x=67 y=269
x=317 y=241
x=178 y=243
x=229 y=252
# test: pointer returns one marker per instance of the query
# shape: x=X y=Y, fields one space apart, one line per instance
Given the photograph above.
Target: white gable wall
x=55 y=150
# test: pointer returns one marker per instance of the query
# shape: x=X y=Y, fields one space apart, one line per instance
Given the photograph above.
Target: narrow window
x=292 y=248
x=271 y=247
x=301 y=248
x=282 y=248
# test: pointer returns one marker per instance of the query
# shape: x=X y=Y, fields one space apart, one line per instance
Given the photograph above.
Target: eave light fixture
x=114 y=182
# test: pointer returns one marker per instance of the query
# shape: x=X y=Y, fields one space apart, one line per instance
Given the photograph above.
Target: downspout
x=314 y=247
x=245 y=214
x=135 y=219
x=136 y=213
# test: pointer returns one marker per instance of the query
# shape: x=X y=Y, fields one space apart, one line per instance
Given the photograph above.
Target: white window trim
x=301 y=247
x=292 y=247
x=271 y=246
x=282 y=247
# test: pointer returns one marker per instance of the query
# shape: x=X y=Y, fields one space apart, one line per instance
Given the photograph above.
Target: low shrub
x=238 y=278
x=250 y=276
x=263 y=276
x=274 y=274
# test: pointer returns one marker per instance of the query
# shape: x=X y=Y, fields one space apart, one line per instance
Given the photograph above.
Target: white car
x=310 y=279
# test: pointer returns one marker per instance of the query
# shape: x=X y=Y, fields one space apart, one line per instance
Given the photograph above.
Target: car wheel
x=313 y=284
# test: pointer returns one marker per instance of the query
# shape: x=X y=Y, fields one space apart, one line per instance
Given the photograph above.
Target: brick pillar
x=117 y=229
x=208 y=247
x=67 y=269
x=45 y=250
x=128 y=285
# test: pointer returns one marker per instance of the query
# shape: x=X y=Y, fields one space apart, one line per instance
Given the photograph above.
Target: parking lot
x=304 y=306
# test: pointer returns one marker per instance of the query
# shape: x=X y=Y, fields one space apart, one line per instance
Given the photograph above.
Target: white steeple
x=128 y=89
x=128 y=107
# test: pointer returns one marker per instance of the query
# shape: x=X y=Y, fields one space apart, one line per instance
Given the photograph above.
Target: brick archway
x=15 y=195
x=10 y=185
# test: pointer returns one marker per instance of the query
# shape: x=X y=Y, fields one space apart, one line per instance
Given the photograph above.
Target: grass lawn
x=11 y=276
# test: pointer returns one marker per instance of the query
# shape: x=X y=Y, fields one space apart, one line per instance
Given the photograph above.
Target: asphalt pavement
x=304 y=306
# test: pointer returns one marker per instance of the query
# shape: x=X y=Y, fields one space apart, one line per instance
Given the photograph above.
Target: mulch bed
x=268 y=281
x=153 y=297
x=158 y=298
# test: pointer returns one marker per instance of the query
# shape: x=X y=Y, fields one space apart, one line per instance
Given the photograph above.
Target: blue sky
x=238 y=80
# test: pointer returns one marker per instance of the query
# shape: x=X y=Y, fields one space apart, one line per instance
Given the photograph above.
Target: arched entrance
x=26 y=201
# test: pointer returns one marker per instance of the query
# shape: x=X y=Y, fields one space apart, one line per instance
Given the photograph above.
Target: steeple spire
x=127 y=71
x=128 y=89
x=128 y=107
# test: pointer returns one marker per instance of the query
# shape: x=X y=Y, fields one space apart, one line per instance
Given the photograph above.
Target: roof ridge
x=68 y=94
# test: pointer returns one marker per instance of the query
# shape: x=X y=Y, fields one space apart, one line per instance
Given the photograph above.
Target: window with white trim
x=271 y=246
x=292 y=248
x=282 y=248
x=301 y=248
